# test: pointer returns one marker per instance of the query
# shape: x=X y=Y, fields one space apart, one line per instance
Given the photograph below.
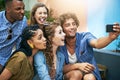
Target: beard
x=70 y=36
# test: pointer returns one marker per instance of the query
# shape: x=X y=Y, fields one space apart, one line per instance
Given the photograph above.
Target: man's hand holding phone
x=113 y=28
x=109 y=28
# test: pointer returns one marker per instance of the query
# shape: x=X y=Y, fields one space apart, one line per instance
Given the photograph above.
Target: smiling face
x=70 y=27
x=41 y=15
x=15 y=10
x=38 y=41
x=59 y=36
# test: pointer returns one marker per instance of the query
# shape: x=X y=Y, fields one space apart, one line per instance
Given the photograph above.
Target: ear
x=30 y=43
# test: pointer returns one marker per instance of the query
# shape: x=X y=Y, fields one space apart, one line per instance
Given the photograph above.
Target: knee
x=74 y=75
x=89 y=77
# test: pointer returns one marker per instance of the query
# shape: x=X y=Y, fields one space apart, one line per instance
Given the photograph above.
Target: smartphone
x=109 y=28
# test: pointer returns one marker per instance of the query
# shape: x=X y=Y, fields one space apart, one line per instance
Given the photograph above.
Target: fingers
x=87 y=68
x=116 y=24
x=90 y=67
x=116 y=27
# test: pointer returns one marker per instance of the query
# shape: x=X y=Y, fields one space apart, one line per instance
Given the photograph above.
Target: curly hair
x=65 y=16
x=49 y=32
x=27 y=34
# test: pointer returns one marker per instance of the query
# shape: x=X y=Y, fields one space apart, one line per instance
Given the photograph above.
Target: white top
x=72 y=58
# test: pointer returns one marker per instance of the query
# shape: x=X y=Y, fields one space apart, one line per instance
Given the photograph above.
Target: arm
x=104 y=41
x=101 y=42
x=5 y=75
x=11 y=67
x=69 y=67
x=84 y=67
x=41 y=67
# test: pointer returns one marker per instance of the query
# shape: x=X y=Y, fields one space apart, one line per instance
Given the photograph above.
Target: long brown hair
x=49 y=32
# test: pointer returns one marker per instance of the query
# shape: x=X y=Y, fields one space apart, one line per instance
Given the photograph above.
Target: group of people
x=46 y=50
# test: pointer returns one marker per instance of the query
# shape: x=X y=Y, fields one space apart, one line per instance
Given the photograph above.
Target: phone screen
x=109 y=28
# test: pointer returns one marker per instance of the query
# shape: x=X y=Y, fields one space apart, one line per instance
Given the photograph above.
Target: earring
x=31 y=45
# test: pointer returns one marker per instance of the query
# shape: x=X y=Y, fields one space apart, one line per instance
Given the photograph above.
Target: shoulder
x=83 y=33
x=39 y=55
x=19 y=56
x=15 y=62
x=60 y=54
x=39 y=58
x=2 y=14
x=16 y=58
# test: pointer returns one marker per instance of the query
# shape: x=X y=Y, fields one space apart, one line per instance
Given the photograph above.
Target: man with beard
x=12 y=22
x=78 y=49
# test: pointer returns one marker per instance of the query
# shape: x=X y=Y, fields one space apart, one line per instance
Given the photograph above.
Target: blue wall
x=100 y=13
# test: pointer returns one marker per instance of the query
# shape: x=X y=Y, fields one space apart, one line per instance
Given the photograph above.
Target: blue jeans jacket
x=6 y=46
x=42 y=71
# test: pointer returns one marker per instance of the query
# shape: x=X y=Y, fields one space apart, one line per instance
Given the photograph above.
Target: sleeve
x=88 y=36
x=41 y=67
x=14 y=63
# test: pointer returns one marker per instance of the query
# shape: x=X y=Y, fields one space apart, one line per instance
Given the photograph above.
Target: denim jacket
x=6 y=46
x=84 y=52
x=42 y=68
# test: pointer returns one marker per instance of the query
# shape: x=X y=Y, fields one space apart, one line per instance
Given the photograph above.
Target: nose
x=44 y=38
x=72 y=26
x=22 y=11
x=64 y=34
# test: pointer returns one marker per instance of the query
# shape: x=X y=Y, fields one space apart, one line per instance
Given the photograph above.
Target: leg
x=73 y=75
x=89 y=76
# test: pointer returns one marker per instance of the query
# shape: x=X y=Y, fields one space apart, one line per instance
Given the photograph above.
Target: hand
x=116 y=28
x=86 y=67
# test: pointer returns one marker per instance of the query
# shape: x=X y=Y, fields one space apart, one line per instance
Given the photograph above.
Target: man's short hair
x=8 y=1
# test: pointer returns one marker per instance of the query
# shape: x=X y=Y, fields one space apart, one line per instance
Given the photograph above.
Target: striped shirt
x=6 y=45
